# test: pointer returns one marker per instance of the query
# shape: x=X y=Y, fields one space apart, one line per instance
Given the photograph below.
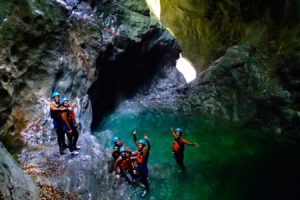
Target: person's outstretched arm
x=184 y=141
x=134 y=138
x=147 y=140
x=173 y=133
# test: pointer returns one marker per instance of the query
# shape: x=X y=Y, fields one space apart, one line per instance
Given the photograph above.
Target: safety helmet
x=122 y=149
x=142 y=141
x=55 y=94
x=64 y=99
x=179 y=130
x=114 y=139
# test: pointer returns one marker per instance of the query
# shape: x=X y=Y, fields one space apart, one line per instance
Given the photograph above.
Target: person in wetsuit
x=141 y=157
x=58 y=123
x=124 y=166
x=70 y=127
x=178 y=147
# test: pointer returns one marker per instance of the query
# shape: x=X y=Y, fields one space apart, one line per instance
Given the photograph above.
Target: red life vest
x=178 y=145
x=126 y=163
x=140 y=157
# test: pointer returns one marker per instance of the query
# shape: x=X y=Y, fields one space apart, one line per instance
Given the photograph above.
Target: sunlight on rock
x=170 y=31
x=186 y=68
x=154 y=6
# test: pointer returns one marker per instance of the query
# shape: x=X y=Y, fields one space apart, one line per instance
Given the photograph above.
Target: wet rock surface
x=206 y=29
x=84 y=176
x=238 y=87
x=114 y=54
x=241 y=87
x=67 y=46
x=14 y=183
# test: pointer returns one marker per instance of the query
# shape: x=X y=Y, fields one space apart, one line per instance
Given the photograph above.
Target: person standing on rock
x=70 y=127
x=141 y=157
x=178 y=147
x=58 y=123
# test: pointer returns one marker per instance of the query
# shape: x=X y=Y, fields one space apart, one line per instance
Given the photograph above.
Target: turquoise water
x=230 y=163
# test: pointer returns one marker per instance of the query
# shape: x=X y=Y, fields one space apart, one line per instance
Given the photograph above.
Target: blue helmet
x=64 y=99
x=122 y=149
x=179 y=130
x=114 y=139
x=142 y=141
x=55 y=94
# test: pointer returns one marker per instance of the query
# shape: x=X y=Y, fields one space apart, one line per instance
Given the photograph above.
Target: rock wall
x=239 y=87
x=206 y=29
x=14 y=183
x=110 y=50
x=74 y=47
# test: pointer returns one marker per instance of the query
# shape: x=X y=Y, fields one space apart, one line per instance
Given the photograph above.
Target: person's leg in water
x=179 y=159
x=143 y=171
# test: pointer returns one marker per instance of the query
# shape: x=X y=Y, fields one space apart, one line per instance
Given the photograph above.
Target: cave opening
x=123 y=75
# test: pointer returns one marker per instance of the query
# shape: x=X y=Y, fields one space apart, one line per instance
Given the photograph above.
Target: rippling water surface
x=230 y=162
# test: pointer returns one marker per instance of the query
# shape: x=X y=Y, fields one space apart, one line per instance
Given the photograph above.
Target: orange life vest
x=178 y=145
x=55 y=114
x=71 y=116
x=140 y=157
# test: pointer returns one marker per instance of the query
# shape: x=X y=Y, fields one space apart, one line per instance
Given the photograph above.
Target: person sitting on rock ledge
x=70 y=126
x=58 y=123
x=124 y=166
x=178 y=147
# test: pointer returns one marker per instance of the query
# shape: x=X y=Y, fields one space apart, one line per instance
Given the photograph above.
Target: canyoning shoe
x=74 y=153
x=144 y=194
x=62 y=152
x=77 y=148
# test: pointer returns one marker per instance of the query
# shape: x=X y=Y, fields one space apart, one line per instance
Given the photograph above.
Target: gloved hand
x=146 y=136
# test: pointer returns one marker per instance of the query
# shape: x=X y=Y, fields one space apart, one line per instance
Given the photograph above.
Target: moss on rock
x=205 y=29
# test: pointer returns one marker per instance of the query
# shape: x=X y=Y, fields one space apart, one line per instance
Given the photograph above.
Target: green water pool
x=231 y=162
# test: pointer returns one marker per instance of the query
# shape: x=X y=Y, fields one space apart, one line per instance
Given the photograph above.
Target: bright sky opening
x=186 y=68
x=154 y=6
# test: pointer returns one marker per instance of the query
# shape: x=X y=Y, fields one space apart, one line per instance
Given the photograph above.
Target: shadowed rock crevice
x=123 y=76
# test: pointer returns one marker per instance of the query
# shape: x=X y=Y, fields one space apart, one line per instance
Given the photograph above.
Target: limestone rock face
x=84 y=50
x=238 y=87
x=14 y=183
x=206 y=29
